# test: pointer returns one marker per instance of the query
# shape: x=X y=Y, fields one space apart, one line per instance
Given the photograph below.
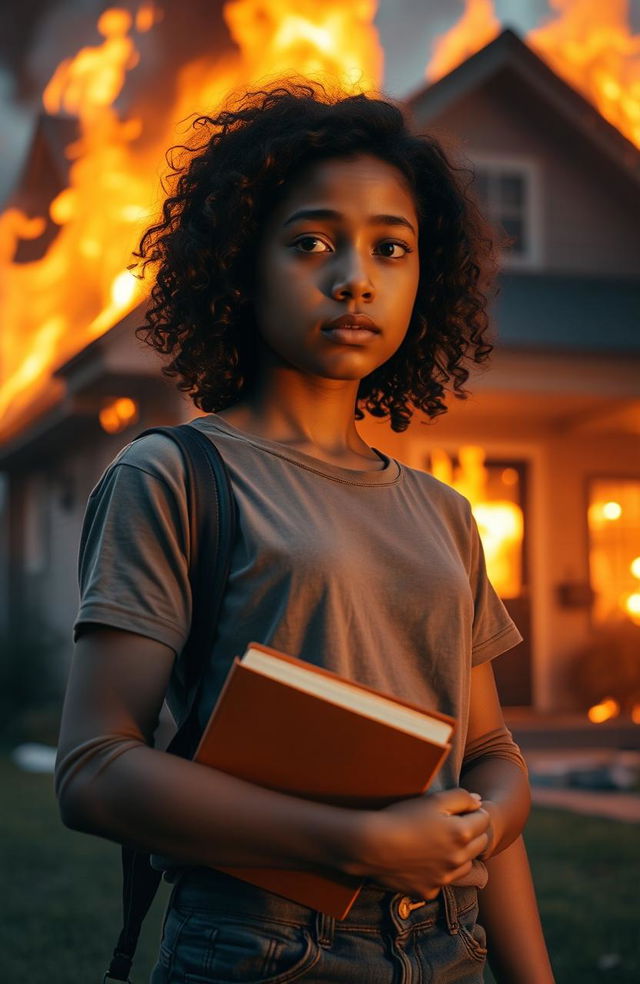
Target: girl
x=316 y=259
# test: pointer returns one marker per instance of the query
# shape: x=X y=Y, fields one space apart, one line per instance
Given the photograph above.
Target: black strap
x=212 y=523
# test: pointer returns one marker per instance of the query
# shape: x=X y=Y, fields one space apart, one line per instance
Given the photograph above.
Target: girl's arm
x=110 y=782
x=494 y=767
x=509 y=913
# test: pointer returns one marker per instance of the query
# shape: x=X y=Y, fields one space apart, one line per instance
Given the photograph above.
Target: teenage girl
x=315 y=258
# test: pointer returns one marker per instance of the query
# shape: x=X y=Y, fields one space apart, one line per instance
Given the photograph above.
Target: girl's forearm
x=509 y=913
x=130 y=793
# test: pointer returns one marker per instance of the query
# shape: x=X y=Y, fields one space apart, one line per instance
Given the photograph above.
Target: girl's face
x=344 y=241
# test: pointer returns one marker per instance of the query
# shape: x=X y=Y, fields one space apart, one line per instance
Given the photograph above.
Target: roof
x=44 y=175
x=509 y=55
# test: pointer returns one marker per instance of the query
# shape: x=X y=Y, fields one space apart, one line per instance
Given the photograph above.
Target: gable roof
x=508 y=55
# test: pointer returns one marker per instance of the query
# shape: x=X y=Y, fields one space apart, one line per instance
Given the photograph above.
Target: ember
x=604 y=711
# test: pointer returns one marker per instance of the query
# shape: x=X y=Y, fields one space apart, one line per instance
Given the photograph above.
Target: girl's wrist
x=353 y=841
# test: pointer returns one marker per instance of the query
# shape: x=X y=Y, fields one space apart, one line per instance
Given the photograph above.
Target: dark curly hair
x=220 y=193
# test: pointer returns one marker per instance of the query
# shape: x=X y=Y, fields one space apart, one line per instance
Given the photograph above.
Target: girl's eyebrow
x=330 y=213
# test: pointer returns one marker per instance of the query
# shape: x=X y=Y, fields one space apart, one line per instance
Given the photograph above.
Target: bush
x=30 y=684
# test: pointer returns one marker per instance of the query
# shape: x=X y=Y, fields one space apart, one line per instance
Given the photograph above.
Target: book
x=303 y=730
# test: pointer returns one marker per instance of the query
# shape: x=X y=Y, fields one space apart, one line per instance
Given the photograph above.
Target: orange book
x=303 y=730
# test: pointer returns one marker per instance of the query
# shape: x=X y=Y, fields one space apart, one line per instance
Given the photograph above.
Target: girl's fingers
x=478 y=845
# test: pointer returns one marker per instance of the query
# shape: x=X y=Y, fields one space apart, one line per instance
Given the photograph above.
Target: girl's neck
x=315 y=418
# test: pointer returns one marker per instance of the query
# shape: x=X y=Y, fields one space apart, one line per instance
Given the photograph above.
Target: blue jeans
x=219 y=930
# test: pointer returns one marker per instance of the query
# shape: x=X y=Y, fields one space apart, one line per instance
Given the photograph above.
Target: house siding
x=589 y=208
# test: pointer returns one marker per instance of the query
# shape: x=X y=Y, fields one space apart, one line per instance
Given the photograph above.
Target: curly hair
x=221 y=191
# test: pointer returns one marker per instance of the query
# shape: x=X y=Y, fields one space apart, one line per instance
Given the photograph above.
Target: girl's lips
x=350 y=336
x=354 y=320
x=356 y=328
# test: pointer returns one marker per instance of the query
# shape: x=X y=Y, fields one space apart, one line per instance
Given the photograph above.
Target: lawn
x=62 y=910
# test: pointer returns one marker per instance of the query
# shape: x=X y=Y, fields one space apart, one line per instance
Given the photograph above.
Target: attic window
x=507 y=190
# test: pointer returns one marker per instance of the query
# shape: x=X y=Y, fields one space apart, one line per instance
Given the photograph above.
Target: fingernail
x=477 y=796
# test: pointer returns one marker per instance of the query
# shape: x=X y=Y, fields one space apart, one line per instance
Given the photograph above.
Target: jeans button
x=404 y=907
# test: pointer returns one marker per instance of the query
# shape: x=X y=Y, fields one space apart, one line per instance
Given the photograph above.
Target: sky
x=36 y=34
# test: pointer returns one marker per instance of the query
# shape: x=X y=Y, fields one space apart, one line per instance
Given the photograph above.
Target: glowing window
x=614 y=549
x=496 y=492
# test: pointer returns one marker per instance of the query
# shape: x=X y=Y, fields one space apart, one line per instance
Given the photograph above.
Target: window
x=496 y=492
x=508 y=192
x=614 y=550
x=35 y=525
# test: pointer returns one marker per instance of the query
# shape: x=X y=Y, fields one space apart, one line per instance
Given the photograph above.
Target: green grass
x=61 y=914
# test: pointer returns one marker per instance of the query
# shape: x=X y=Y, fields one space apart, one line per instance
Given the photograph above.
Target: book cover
x=277 y=736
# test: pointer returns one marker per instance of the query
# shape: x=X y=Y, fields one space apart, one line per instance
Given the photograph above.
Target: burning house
x=546 y=447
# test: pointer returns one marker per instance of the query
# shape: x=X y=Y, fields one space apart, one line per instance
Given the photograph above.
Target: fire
x=333 y=39
x=604 y=711
x=500 y=521
x=80 y=287
x=94 y=78
x=477 y=26
x=118 y=414
x=591 y=46
x=588 y=44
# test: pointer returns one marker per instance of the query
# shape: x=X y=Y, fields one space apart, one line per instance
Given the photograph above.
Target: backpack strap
x=212 y=523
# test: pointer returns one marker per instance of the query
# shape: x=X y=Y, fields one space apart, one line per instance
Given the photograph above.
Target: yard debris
x=609 y=961
x=33 y=757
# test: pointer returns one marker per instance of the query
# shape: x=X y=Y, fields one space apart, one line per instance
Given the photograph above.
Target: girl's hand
x=417 y=845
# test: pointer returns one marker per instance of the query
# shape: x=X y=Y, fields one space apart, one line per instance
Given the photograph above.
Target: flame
x=604 y=711
x=94 y=78
x=118 y=415
x=310 y=38
x=80 y=287
x=478 y=25
x=500 y=521
x=588 y=44
x=591 y=46
x=635 y=713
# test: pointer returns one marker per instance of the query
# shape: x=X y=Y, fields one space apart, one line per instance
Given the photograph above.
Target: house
x=547 y=445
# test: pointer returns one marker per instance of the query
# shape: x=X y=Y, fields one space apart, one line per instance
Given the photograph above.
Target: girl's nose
x=352 y=280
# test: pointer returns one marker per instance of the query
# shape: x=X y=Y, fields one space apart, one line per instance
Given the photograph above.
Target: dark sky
x=36 y=34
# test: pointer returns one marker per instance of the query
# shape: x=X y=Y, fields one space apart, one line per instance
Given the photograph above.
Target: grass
x=62 y=911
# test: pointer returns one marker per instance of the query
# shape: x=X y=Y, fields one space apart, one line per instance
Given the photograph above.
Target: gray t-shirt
x=378 y=575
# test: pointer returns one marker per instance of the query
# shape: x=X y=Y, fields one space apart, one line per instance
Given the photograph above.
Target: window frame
x=530 y=169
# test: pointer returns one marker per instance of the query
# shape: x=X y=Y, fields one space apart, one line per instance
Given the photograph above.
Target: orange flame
x=80 y=287
x=477 y=26
x=604 y=711
x=590 y=45
x=118 y=414
x=94 y=78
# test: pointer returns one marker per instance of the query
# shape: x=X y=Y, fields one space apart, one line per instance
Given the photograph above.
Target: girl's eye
x=310 y=239
x=393 y=245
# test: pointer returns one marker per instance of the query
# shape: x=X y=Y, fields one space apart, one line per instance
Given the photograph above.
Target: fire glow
x=604 y=711
x=79 y=287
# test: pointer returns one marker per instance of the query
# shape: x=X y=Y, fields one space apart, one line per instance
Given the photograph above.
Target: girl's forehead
x=348 y=180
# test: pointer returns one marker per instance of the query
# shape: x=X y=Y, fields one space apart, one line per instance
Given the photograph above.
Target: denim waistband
x=374 y=908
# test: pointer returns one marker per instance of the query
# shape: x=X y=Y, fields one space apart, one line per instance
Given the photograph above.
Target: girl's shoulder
x=154 y=456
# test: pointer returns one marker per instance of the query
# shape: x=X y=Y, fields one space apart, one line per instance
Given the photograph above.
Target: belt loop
x=450 y=909
x=325 y=929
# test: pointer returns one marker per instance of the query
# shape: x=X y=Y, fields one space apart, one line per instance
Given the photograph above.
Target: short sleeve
x=133 y=559
x=493 y=629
